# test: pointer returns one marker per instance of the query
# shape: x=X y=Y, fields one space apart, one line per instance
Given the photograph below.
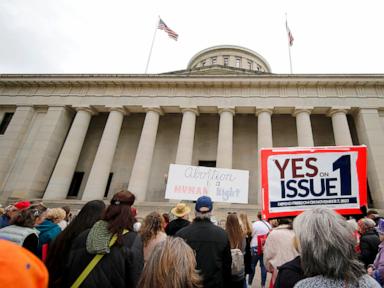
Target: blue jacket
x=4 y=221
x=48 y=232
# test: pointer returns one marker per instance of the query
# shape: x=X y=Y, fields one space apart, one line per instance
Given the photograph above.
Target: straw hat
x=180 y=210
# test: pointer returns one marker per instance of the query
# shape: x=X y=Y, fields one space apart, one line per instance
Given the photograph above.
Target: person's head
x=245 y=224
x=11 y=211
x=259 y=216
x=89 y=214
x=153 y=224
x=20 y=268
x=235 y=233
x=171 y=265
x=56 y=215
x=326 y=245
x=203 y=207
x=380 y=229
x=119 y=214
x=285 y=221
x=31 y=216
x=365 y=225
x=68 y=214
x=181 y=210
x=166 y=218
x=22 y=205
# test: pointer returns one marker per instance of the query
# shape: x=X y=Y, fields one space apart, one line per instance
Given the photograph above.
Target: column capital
x=120 y=109
x=154 y=109
x=298 y=110
x=334 y=110
x=88 y=109
x=266 y=109
x=227 y=109
x=193 y=110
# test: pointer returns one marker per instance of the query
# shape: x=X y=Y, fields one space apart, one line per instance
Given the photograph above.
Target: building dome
x=229 y=56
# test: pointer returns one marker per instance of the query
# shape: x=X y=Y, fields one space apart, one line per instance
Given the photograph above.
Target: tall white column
x=141 y=170
x=186 y=138
x=371 y=133
x=340 y=127
x=11 y=141
x=264 y=140
x=225 y=141
x=303 y=126
x=41 y=159
x=264 y=128
x=98 y=177
x=66 y=164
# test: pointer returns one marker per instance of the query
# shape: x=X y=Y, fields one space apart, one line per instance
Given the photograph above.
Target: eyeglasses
x=229 y=213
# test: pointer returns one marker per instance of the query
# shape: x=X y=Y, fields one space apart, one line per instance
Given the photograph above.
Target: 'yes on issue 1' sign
x=222 y=185
x=298 y=179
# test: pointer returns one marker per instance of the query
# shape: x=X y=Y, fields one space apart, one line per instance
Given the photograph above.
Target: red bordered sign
x=298 y=179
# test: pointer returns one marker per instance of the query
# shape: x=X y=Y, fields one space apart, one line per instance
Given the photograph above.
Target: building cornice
x=176 y=81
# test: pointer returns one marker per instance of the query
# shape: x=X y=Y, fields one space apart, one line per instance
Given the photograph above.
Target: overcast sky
x=113 y=36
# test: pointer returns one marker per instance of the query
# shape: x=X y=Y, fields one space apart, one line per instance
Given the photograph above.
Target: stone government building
x=87 y=136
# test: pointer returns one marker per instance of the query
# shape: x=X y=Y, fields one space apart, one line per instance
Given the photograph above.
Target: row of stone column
x=98 y=177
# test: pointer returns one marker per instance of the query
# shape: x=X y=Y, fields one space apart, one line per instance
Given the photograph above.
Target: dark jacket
x=4 y=221
x=121 y=267
x=369 y=246
x=176 y=225
x=247 y=255
x=213 y=254
x=289 y=274
x=48 y=232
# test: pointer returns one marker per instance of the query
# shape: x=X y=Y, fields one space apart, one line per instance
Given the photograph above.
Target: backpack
x=237 y=264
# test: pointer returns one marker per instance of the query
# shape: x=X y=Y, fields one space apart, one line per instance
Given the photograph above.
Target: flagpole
x=289 y=44
x=150 y=50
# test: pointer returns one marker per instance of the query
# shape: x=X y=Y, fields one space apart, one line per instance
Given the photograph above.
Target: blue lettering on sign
x=300 y=186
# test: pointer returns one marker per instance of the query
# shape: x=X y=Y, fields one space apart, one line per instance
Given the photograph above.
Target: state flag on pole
x=290 y=36
x=172 y=34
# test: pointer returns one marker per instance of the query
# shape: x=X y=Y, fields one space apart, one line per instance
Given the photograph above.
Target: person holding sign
x=279 y=247
x=326 y=247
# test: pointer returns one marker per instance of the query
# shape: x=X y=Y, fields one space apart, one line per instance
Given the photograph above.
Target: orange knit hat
x=20 y=268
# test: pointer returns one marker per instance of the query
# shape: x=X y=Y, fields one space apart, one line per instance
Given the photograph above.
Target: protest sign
x=298 y=179
x=222 y=185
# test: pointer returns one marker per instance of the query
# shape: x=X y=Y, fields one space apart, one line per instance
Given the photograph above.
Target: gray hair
x=327 y=245
x=203 y=215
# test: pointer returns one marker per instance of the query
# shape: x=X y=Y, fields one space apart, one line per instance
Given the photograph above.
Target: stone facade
x=135 y=125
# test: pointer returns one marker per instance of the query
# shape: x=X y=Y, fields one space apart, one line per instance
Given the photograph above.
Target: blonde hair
x=171 y=265
x=153 y=224
x=56 y=214
x=245 y=224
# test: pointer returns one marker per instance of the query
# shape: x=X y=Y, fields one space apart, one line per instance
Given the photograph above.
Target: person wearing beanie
x=19 y=268
x=211 y=244
x=181 y=212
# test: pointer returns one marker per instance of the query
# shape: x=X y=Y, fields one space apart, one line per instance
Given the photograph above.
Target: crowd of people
x=108 y=246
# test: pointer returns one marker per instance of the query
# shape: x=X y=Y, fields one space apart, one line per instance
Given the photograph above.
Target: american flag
x=290 y=36
x=172 y=34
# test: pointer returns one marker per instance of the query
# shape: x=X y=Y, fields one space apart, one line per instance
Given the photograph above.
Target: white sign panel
x=222 y=185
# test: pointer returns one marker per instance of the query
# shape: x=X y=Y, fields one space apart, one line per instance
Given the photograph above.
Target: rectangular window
x=207 y=163
x=214 y=60
x=75 y=184
x=250 y=65
x=5 y=122
x=226 y=60
x=108 y=185
x=238 y=62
